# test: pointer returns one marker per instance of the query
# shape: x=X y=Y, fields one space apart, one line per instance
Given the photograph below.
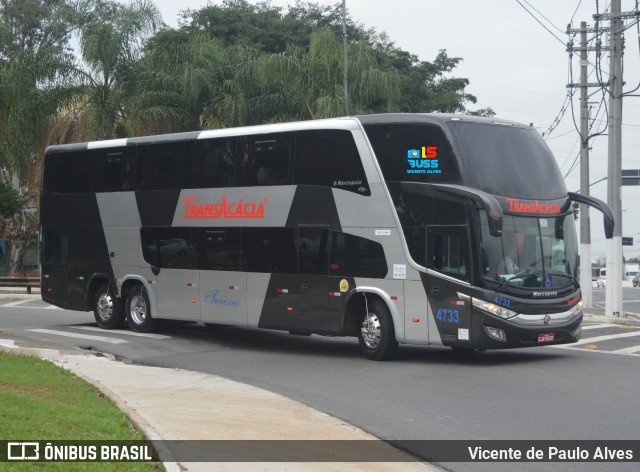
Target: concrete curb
x=175 y=404
x=8 y=346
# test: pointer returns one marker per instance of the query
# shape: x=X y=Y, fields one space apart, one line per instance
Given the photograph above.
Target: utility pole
x=585 y=223
x=344 y=57
x=613 y=300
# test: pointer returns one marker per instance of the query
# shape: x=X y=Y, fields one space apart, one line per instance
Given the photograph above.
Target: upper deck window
x=507 y=160
x=68 y=171
x=210 y=163
x=264 y=159
x=159 y=166
x=329 y=158
x=413 y=152
x=113 y=171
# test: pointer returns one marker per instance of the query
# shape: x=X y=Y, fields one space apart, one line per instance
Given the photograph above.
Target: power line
x=542 y=24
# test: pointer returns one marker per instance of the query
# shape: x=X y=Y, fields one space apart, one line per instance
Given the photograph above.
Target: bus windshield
x=532 y=252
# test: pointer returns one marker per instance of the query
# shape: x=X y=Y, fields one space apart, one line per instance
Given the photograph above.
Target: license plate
x=546 y=337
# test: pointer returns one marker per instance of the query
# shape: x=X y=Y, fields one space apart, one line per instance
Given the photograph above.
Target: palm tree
x=178 y=75
x=310 y=84
x=111 y=38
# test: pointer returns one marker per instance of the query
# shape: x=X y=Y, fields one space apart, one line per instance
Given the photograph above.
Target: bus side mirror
x=599 y=205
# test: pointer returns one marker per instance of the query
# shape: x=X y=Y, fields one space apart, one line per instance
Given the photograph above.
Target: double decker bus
x=395 y=228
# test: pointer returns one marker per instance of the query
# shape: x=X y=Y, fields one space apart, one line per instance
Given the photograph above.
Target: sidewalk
x=173 y=404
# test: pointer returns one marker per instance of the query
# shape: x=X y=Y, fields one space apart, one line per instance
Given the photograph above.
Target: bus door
x=54 y=269
x=312 y=310
x=177 y=285
x=223 y=283
x=448 y=256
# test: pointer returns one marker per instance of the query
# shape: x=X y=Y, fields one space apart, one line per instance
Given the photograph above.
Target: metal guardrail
x=28 y=282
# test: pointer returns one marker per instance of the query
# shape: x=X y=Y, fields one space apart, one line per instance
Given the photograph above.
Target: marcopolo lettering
x=223 y=209
x=516 y=206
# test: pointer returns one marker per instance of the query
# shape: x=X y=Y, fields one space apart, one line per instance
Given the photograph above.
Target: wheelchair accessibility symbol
x=548 y=281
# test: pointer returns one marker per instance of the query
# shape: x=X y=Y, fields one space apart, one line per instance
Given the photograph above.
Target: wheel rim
x=371 y=330
x=138 y=309
x=104 y=306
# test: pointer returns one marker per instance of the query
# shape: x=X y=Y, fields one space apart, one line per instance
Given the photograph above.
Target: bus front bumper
x=492 y=332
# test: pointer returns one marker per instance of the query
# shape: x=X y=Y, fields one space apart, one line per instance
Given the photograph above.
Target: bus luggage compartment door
x=223 y=297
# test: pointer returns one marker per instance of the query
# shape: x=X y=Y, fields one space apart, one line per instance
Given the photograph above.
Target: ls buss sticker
x=423 y=161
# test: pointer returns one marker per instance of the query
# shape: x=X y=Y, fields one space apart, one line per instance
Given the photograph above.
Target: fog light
x=496 y=333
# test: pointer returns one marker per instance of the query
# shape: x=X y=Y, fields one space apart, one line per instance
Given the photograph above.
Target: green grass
x=40 y=401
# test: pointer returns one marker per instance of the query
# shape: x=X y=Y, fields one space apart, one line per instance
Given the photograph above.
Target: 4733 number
x=445 y=315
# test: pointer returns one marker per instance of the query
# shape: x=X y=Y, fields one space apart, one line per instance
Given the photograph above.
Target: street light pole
x=344 y=57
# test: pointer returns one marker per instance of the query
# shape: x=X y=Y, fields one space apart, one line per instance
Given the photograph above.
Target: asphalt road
x=630 y=298
x=588 y=391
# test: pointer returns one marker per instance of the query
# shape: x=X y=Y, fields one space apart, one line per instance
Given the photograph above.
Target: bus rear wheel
x=107 y=309
x=376 y=335
x=139 y=311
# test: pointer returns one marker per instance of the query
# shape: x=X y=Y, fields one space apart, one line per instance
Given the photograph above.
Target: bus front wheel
x=107 y=309
x=139 y=311
x=376 y=335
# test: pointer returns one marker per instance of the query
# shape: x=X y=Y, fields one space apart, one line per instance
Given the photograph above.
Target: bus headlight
x=576 y=308
x=494 y=309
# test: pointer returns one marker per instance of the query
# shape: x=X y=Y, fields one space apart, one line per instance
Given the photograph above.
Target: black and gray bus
x=421 y=229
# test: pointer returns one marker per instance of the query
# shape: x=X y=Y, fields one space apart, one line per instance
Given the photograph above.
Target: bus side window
x=166 y=247
x=353 y=256
x=264 y=160
x=217 y=249
x=159 y=166
x=210 y=163
x=448 y=251
x=312 y=251
x=269 y=250
x=113 y=170
x=68 y=172
x=329 y=158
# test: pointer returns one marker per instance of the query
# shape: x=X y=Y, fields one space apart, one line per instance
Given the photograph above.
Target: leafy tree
x=268 y=28
x=111 y=35
x=179 y=74
x=423 y=86
x=33 y=56
x=9 y=201
x=309 y=84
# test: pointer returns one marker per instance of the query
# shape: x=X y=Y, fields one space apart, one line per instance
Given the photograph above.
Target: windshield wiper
x=521 y=274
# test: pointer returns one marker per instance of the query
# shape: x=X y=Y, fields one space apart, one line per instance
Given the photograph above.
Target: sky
x=517 y=66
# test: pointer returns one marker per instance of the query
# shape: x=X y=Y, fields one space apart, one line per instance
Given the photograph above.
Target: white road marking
x=627 y=350
x=600 y=325
x=48 y=307
x=122 y=331
x=607 y=337
x=17 y=302
x=89 y=337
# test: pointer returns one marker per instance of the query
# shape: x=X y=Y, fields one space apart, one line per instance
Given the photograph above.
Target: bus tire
x=376 y=334
x=107 y=309
x=139 y=311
